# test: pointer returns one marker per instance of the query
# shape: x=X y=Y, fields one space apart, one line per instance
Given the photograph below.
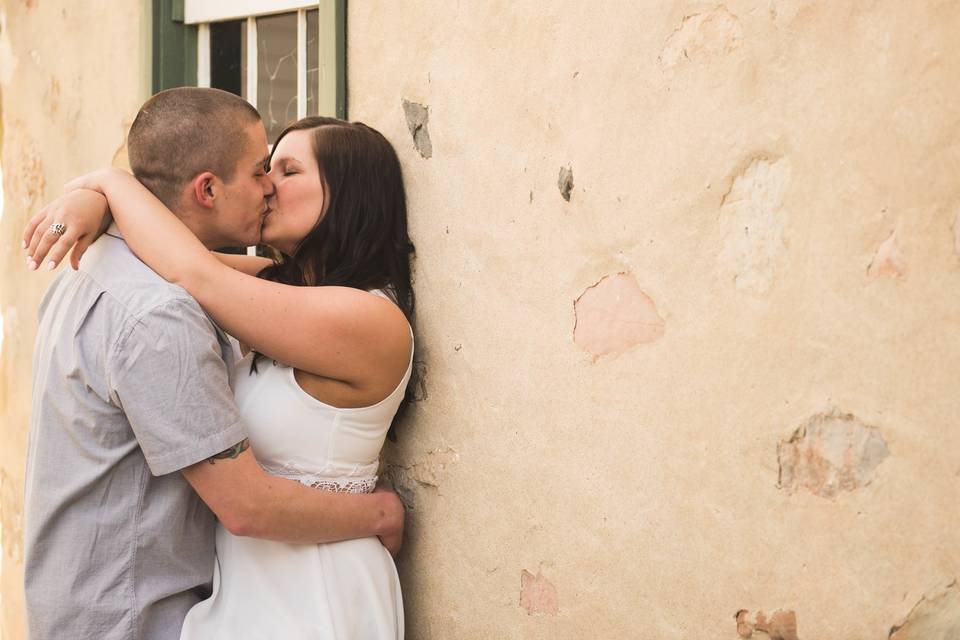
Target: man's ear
x=204 y=188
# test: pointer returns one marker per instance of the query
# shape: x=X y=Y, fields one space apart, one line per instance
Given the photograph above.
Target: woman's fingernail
x=51 y=265
x=23 y=244
x=32 y=265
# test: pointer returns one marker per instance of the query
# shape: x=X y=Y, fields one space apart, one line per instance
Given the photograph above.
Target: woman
x=330 y=360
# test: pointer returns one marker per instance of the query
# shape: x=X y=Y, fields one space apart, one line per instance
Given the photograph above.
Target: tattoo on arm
x=232 y=452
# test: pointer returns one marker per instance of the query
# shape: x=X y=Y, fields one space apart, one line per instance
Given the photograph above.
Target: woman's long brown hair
x=361 y=241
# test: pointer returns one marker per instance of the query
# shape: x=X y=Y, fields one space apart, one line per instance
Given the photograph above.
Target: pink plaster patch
x=887 y=261
x=615 y=315
x=537 y=594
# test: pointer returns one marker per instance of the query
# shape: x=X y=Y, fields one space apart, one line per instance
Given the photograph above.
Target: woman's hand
x=84 y=214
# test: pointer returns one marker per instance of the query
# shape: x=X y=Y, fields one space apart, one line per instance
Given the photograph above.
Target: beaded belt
x=324 y=482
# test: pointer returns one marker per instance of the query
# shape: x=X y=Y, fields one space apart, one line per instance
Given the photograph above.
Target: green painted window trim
x=175 y=49
x=340 y=40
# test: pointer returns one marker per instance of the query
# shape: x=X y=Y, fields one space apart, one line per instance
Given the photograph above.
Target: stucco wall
x=782 y=435
x=710 y=392
x=72 y=75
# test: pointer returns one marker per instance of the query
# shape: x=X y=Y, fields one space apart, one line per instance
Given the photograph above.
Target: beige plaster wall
x=757 y=415
x=71 y=75
x=744 y=164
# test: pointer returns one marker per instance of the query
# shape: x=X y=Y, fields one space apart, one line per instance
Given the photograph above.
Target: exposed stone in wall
x=701 y=35
x=428 y=471
x=933 y=618
x=832 y=452
x=537 y=594
x=752 y=220
x=564 y=183
x=782 y=625
x=614 y=315
x=417 y=118
x=419 y=381
x=887 y=261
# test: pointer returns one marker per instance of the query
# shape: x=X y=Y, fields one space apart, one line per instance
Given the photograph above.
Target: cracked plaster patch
x=537 y=594
x=700 y=36
x=564 y=183
x=782 y=625
x=752 y=221
x=417 y=118
x=933 y=618
x=614 y=315
x=428 y=471
x=830 y=453
x=887 y=261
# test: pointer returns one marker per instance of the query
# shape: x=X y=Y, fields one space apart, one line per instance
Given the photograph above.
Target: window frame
x=181 y=45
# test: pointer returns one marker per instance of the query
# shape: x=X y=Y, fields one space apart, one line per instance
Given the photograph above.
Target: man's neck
x=193 y=221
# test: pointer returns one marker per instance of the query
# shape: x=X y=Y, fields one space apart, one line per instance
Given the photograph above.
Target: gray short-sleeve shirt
x=131 y=384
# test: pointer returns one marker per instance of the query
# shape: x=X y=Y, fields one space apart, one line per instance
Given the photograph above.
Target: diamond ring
x=58 y=228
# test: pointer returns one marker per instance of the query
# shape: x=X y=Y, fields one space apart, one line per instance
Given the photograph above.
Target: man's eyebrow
x=262 y=162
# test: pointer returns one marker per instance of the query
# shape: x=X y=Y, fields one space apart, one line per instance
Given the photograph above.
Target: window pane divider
x=252 y=78
x=203 y=55
x=252 y=61
x=301 y=63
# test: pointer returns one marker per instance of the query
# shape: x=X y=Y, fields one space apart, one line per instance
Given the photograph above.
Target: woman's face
x=298 y=202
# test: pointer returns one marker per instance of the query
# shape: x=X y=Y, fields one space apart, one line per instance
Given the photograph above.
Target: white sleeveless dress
x=336 y=591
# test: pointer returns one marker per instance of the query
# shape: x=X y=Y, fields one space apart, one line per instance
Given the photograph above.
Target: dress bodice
x=297 y=436
x=265 y=589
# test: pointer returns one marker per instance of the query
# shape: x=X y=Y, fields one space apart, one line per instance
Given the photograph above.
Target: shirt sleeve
x=168 y=375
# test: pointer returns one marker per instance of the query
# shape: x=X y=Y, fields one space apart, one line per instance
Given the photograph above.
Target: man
x=135 y=440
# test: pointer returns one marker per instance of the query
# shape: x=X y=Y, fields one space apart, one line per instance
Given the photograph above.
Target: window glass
x=277 y=71
x=313 y=62
x=228 y=56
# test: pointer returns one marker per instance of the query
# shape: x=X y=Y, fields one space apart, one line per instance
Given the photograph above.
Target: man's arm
x=169 y=378
x=250 y=502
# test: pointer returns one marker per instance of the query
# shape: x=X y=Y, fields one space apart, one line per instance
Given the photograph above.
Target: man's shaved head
x=180 y=133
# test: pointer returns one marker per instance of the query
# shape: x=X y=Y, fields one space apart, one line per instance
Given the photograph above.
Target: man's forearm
x=251 y=502
x=292 y=512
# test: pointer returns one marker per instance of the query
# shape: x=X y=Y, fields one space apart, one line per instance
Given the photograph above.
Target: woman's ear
x=204 y=189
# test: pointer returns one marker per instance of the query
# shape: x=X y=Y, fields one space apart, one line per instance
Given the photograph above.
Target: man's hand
x=392 y=534
x=85 y=216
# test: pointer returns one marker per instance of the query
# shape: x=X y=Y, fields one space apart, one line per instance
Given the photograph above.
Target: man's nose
x=269 y=189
